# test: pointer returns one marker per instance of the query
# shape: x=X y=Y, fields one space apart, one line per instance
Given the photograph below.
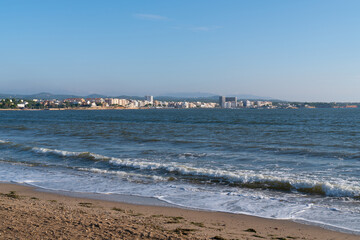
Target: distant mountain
x=49 y=96
x=131 y=97
x=212 y=95
x=43 y=95
x=189 y=95
x=3 y=95
x=94 y=95
x=208 y=97
x=251 y=97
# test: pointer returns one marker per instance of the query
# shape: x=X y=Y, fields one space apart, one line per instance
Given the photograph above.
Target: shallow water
x=285 y=164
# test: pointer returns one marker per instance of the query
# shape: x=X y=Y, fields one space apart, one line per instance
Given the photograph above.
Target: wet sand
x=26 y=213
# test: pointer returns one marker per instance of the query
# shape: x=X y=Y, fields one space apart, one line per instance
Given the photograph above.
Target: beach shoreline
x=30 y=213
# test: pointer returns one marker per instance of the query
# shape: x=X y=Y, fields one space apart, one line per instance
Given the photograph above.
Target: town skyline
x=174 y=95
x=191 y=96
x=97 y=102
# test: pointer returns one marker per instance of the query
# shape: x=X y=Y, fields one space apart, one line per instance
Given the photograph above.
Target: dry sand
x=29 y=214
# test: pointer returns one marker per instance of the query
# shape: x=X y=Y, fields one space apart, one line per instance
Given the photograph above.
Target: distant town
x=149 y=102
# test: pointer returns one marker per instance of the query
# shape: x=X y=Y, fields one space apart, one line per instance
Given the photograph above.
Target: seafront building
x=248 y=104
x=228 y=102
x=232 y=102
x=78 y=101
x=147 y=102
x=149 y=99
x=222 y=101
x=116 y=102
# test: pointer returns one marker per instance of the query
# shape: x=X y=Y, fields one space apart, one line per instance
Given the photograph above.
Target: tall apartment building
x=231 y=99
x=116 y=101
x=149 y=99
x=228 y=102
x=248 y=103
x=222 y=101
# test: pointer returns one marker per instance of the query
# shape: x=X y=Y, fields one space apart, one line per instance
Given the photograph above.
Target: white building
x=228 y=105
x=247 y=103
x=149 y=99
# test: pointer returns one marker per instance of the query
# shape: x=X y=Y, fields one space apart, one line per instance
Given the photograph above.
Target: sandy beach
x=26 y=213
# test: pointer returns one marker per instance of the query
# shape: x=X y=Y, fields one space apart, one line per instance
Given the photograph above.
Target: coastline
x=69 y=109
x=48 y=214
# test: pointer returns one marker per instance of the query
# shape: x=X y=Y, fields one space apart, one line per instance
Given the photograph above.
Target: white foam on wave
x=335 y=188
x=55 y=151
x=30 y=181
x=123 y=174
x=238 y=200
x=70 y=154
x=192 y=155
x=339 y=188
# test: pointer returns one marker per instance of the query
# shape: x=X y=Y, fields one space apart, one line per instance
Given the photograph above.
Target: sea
x=296 y=164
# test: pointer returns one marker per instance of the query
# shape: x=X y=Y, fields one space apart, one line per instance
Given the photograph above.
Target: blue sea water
x=302 y=164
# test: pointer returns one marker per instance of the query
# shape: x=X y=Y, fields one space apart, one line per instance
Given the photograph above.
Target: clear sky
x=305 y=50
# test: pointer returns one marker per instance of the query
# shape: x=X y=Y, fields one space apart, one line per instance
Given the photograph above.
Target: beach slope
x=29 y=214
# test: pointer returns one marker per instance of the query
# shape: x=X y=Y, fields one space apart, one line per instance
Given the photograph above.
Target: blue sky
x=305 y=50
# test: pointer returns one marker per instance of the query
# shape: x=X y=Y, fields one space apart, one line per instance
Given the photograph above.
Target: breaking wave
x=192 y=155
x=123 y=174
x=3 y=142
x=85 y=155
x=239 y=178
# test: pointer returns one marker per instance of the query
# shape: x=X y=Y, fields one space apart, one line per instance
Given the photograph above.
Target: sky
x=294 y=50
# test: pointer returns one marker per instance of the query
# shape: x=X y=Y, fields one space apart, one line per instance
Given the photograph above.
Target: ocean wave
x=187 y=155
x=123 y=174
x=246 y=178
x=192 y=155
x=4 y=142
x=86 y=155
x=20 y=163
x=239 y=178
x=13 y=145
